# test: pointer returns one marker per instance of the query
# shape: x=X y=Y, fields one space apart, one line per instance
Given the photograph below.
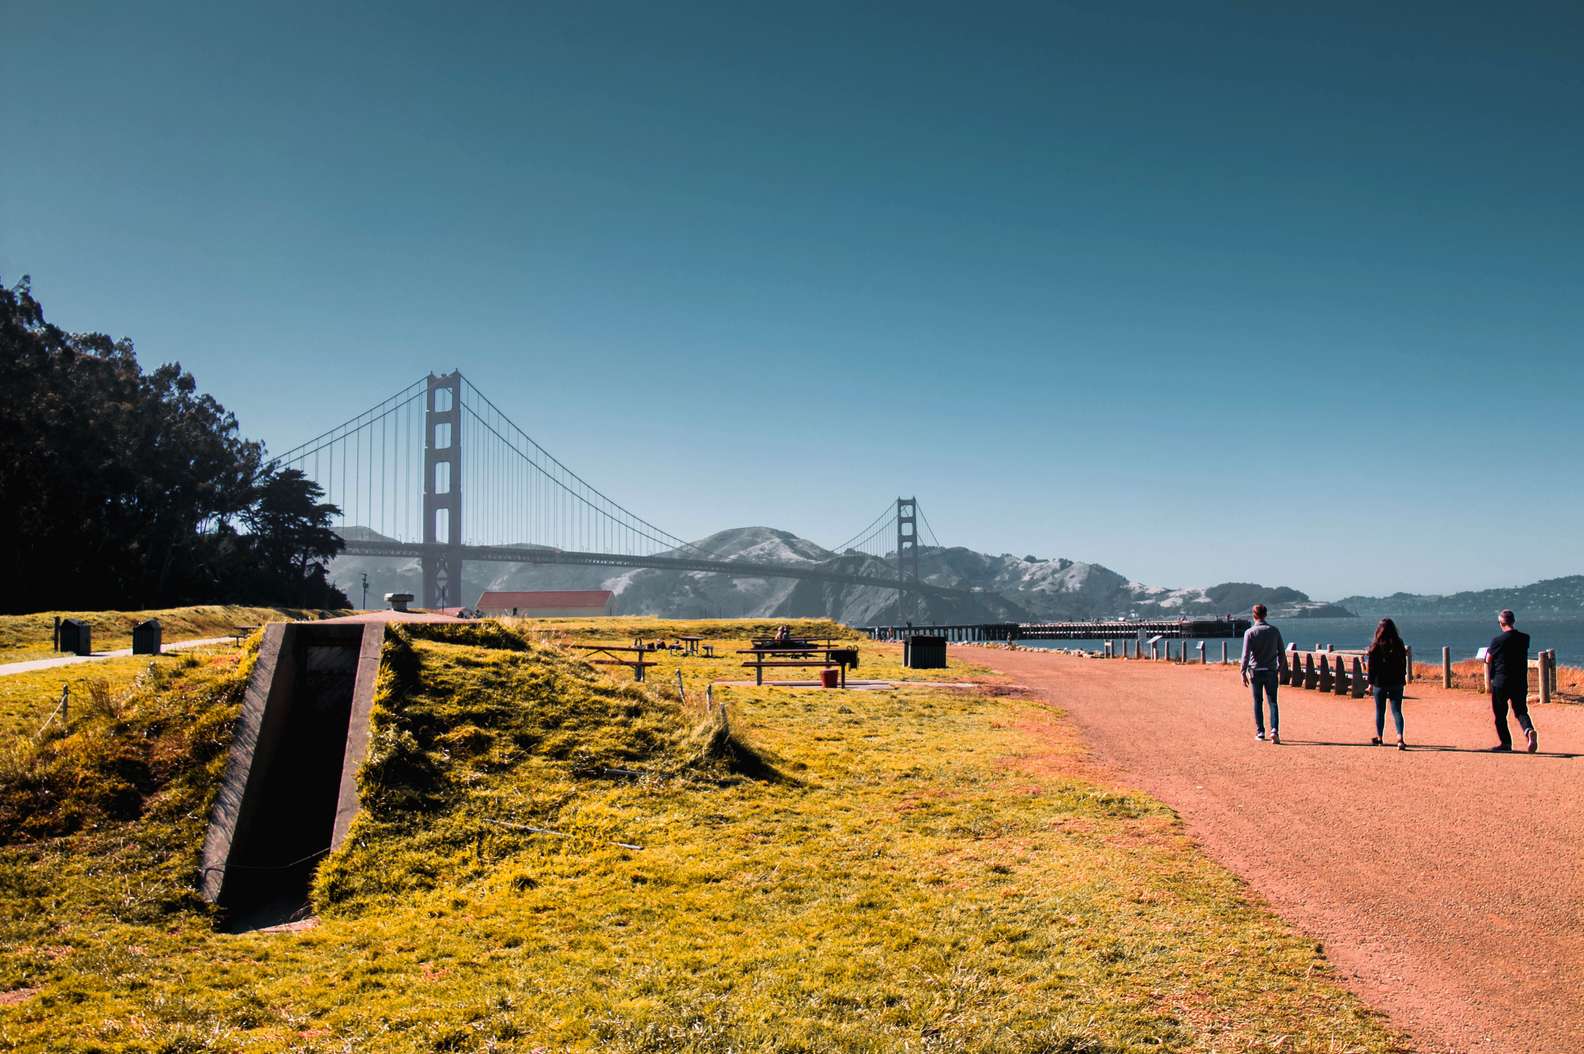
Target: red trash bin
x=830 y=678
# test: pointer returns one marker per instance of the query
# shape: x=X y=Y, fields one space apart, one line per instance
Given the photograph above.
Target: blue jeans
x=1263 y=683
x=1381 y=695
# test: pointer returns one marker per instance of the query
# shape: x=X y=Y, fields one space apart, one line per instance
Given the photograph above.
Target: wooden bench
x=825 y=664
x=614 y=653
x=840 y=658
x=241 y=633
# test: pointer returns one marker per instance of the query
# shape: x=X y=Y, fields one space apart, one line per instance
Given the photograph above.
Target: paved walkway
x=28 y=666
x=1447 y=884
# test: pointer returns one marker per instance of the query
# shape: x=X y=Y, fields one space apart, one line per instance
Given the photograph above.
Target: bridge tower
x=442 y=493
x=907 y=557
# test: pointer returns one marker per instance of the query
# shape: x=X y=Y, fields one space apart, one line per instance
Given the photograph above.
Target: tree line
x=125 y=488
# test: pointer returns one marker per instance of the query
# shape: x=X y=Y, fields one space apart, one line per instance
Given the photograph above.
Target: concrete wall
x=259 y=739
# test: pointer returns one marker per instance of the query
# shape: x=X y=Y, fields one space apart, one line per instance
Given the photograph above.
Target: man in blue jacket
x=1264 y=661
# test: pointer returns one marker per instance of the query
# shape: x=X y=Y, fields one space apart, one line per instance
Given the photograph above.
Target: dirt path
x=1446 y=884
x=30 y=665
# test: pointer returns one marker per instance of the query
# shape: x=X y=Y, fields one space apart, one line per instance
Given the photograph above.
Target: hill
x=1551 y=596
x=1017 y=588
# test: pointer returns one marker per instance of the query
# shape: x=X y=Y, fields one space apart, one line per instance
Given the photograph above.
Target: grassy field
x=917 y=868
x=29 y=636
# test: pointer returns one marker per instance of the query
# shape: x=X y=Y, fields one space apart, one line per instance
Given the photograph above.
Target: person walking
x=1507 y=664
x=1264 y=661
x=1387 y=666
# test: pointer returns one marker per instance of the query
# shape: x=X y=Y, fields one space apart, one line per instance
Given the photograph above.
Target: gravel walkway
x=1446 y=884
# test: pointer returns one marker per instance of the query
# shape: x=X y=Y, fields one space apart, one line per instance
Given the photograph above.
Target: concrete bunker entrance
x=289 y=790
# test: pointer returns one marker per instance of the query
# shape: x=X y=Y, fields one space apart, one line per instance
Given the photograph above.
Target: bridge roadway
x=741 y=568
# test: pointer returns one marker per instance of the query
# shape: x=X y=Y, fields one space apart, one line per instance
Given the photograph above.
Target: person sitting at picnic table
x=783 y=633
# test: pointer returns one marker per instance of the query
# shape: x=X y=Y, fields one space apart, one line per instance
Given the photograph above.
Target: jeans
x=1263 y=683
x=1381 y=695
x=1517 y=695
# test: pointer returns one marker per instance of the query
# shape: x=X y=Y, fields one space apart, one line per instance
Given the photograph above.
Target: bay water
x=1426 y=634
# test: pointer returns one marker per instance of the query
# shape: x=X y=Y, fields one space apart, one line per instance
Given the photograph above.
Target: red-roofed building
x=547 y=603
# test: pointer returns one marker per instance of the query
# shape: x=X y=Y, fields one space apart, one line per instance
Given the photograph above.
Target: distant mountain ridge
x=1013 y=588
x=1552 y=596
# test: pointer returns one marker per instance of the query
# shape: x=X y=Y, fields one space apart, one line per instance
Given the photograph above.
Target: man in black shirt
x=1507 y=661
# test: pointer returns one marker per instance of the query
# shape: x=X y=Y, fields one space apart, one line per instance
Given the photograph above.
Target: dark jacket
x=1388 y=665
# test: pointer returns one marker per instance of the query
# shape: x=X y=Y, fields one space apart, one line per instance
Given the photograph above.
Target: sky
x=1201 y=292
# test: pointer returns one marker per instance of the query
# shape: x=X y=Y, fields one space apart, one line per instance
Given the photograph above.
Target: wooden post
x=1224 y=659
x=1545 y=679
x=1446 y=666
x=1552 y=663
x=1311 y=678
x=1341 y=677
x=1410 y=662
x=1325 y=672
x=681 y=692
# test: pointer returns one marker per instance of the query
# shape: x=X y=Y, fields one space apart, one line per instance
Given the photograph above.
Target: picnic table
x=239 y=633
x=690 y=645
x=614 y=656
x=770 y=656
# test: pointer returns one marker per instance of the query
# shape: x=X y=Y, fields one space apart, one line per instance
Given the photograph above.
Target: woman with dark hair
x=1387 y=665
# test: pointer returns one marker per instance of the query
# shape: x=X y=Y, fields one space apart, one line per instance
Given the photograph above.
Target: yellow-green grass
x=30 y=636
x=914 y=869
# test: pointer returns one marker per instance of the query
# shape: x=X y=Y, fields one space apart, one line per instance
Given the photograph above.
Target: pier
x=1128 y=629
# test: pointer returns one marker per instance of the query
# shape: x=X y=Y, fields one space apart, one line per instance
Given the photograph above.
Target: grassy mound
x=478 y=736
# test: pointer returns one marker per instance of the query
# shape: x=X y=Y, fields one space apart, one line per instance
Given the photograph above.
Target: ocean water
x=1426 y=634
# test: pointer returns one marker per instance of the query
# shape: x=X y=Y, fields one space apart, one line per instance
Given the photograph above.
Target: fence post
x=1202 y=658
x=1410 y=662
x=1552 y=652
x=681 y=692
x=1545 y=679
x=1446 y=666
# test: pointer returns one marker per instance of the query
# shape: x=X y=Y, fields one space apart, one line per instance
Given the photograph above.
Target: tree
x=130 y=489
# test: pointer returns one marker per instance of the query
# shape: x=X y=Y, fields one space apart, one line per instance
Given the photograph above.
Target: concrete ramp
x=290 y=787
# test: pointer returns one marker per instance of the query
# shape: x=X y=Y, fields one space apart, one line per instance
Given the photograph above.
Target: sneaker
x=1275 y=737
x=1533 y=740
x=1402 y=744
x=1260 y=736
x=1375 y=741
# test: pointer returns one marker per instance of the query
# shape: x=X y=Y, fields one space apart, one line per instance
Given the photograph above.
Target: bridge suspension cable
x=878 y=526
x=523 y=485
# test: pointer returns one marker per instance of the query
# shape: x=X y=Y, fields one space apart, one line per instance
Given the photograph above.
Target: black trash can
x=76 y=637
x=146 y=638
x=924 y=653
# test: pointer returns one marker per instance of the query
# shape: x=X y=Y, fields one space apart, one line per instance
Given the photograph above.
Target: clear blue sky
x=1198 y=291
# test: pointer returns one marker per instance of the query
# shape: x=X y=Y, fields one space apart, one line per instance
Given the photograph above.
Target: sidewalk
x=30 y=665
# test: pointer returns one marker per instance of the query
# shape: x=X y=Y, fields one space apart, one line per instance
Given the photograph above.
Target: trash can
x=146 y=637
x=830 y=678
x=924 y=652
x=76 y=637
